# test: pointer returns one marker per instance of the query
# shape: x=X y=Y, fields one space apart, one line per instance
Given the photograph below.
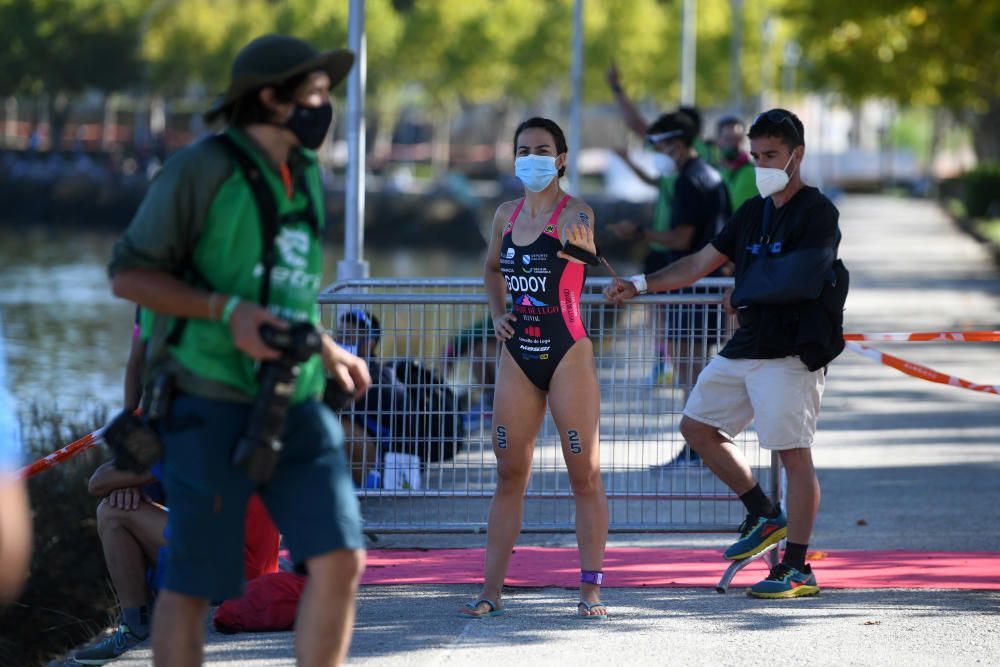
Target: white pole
x=736 y=59
x=353 y=266
x=576 y=101
x=688 y=50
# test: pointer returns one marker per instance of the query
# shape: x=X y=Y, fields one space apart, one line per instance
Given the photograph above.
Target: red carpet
x=685 y=568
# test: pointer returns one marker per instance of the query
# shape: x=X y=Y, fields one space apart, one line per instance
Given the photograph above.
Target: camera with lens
x=258 y=450
x=133 y=438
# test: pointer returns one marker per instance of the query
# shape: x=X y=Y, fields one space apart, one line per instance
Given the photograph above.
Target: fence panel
x=403 y=437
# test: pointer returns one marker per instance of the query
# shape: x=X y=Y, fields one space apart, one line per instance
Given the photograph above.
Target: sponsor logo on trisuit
x=526 y=284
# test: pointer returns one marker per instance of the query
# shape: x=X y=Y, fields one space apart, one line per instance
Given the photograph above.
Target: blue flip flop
x=495 y=609
x=589 y=607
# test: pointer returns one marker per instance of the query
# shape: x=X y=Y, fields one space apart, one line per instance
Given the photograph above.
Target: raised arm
x=633 y=119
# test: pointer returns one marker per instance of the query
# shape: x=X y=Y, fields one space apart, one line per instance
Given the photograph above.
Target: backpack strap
x=765 y=227
x=267 y=209
x=270 y=223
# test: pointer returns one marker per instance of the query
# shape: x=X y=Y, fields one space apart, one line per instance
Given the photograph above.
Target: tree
x=61 y=48
x=940 y=53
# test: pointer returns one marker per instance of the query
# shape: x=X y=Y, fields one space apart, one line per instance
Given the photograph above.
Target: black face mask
x=310 y=124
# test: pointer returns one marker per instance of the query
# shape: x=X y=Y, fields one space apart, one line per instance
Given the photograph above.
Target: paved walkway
x=904 y=464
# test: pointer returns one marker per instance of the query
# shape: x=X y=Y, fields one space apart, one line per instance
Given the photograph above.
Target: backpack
x=408 y=409
x=820 y=337
x=432 y=419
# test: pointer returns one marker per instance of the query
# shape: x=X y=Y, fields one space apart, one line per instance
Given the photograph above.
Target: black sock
x=795 y=555
x=757 y=503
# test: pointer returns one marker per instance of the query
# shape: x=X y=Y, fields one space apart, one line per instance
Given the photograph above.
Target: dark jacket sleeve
x=165 y=228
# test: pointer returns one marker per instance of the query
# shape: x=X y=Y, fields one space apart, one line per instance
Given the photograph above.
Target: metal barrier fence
x=420 y=443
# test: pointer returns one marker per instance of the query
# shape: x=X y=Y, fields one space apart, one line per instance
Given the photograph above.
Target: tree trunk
x=59 y=113
x=10 y=121
x=986 y=132
x=441 y=144
x=502 y=155
x=109 y=121
x=937 y=131
x=387 y=116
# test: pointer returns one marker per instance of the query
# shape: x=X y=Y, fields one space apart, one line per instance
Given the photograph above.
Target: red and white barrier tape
x=959 y=337
x=60 y=455
x=908 y=367
x=918 y=371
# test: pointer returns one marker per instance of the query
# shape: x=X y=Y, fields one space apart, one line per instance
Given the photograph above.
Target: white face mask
x=664 y=164
x=535 y=171
x=771 y=180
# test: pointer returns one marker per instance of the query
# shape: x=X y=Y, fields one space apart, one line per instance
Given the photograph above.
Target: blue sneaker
x=109 y=648
x=786 y=582
x=756 y=534
x=662 y=373
x=685 y=457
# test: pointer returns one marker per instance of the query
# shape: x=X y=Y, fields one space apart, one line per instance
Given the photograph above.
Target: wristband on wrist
x=227 y=310
x=639 y=280
x=212 y=298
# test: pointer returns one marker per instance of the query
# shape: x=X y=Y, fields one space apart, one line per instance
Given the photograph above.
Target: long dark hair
x=249 y=110
x=550 y=127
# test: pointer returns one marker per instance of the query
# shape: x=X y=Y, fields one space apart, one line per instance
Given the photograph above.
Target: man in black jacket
x=764 y=372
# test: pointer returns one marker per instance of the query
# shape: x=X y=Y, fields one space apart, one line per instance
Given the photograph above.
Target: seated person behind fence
x=359 y=332
x=470 y=364
x=407 y=409
x=132 y=524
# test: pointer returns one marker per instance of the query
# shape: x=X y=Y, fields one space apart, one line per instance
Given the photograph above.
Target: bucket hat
x=272 y=59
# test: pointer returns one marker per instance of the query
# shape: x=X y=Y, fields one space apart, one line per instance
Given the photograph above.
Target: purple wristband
x=592 y=577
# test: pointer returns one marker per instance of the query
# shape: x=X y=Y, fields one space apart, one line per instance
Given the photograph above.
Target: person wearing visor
x=227 y=239
x=770 y=371
x=546 y=358
x=699 y=208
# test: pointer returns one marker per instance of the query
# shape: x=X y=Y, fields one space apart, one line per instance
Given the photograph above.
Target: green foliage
x=935 y=52
x=981 y=190
x=68 y=598
x=990 y=229
x=68 y=45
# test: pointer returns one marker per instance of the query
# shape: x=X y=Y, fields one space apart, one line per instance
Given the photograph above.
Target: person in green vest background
x=227 y=239
x=734 y=162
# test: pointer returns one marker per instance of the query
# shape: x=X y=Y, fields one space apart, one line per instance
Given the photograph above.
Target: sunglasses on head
x=777 y=117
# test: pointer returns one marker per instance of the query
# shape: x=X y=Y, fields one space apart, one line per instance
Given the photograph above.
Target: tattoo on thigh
x=502 y=437
x=574 y=441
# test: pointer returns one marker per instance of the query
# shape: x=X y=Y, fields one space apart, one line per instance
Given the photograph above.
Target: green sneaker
x=756 y=534
x=786 y=582
x=109 y=648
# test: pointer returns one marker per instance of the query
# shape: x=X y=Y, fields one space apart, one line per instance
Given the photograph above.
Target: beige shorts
x=781 y=396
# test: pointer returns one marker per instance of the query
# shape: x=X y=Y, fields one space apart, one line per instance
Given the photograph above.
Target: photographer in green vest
x=226 y=249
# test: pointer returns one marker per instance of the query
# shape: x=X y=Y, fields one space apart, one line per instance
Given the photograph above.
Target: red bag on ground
x=261 y=541
x=268 y=605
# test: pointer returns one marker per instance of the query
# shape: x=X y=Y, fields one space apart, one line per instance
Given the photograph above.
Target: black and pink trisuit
x=546 y=292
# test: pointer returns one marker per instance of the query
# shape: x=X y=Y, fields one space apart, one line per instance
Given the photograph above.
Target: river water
x=66 y=337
